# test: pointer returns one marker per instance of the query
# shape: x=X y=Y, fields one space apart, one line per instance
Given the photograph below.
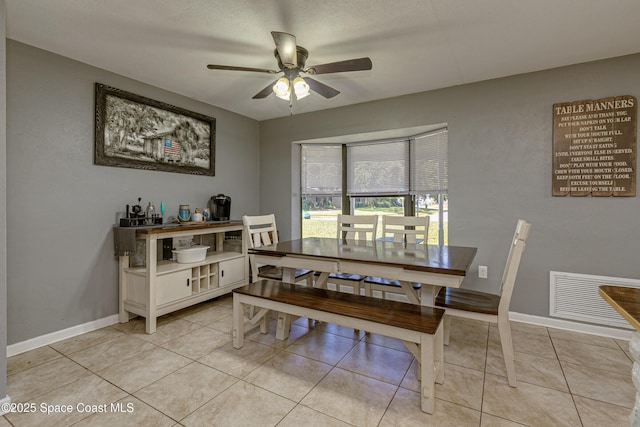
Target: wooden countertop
x=624 y=300
x=170 y=228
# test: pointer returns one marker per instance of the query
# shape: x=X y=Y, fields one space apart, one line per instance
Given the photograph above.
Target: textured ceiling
x=415 y=45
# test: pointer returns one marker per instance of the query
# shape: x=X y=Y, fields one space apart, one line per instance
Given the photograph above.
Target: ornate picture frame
x=133 y=131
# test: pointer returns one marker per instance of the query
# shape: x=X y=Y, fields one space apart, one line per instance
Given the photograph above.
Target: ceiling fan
x=291 y=61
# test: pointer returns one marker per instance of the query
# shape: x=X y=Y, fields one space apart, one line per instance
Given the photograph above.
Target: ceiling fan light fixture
x=282 y=88
x=301 y=88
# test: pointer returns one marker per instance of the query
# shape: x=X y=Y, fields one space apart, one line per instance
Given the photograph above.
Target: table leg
x=321 y=281
x=634 y=349
x=428 y=294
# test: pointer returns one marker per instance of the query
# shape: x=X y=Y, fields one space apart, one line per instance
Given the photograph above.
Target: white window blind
x=380 y=168
x=321 y=169
x=430 y=170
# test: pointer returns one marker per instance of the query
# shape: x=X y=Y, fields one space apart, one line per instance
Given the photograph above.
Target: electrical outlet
x=483 y=271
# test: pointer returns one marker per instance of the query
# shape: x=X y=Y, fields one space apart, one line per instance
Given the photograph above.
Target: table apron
x=398 y=273
x=327 y=266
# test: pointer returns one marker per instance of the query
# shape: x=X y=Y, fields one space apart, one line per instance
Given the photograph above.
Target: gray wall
x=500 y=141
x=61 y=207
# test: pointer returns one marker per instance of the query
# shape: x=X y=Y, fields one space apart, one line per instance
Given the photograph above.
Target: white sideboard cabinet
x=162 y=286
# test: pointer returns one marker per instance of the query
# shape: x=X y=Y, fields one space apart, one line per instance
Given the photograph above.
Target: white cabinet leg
x=238 y=322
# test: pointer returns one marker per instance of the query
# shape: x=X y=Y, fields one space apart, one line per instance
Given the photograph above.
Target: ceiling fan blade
x=286 y=46
x=232 y=68
x=321 y=88
x=265 y=92
x=359 y=64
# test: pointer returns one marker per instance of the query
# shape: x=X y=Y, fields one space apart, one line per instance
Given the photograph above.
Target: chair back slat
x=357 y=227
x=405 y=229
x=260 y=230
x=513 y=263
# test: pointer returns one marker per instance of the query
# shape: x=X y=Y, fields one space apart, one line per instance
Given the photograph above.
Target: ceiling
x=415 y=45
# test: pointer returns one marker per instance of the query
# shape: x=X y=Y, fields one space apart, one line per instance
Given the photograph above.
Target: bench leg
x=238 y=322
x=427 y=374
x=284 y=326
x=439 y=354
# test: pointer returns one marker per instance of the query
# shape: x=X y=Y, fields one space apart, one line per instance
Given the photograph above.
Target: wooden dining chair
x=403 y=231
x=489 y=307
x=261 y=230
x=354 y=229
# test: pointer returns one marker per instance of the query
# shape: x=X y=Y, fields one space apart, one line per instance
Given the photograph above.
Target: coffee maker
x=220 y=207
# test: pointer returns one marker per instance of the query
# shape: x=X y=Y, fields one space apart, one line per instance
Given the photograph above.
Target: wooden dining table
x=433 y=266
x=626 y=301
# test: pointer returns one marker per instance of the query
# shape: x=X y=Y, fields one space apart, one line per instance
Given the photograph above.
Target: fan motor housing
x=302 y=55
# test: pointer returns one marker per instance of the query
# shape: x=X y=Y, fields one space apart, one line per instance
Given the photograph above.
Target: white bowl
x=191 y=254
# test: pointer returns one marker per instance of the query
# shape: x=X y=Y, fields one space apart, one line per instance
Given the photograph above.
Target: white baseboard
x=584 y=328
x=3 y=402
x=43 y=340
x=47 y=339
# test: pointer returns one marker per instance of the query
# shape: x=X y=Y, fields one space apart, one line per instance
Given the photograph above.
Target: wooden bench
x=418 y=327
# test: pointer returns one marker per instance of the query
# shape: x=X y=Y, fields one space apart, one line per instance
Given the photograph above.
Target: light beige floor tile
x=528 y=404
x=467 y=330
x=41 y=379
x=542 y=371
x=289 y=375
x=208 y=315
x=270 y=338
x=561 y=334
x=198 y=343
x=351 y=397
x=128 y=412
x=239 y=362
x=328 y=348
x=405 y=411
x=527 y=328
x=185 y=390
x=462 y=386
x=143 y=369
x=80 y=399
x=242 y=404
x=382 y=363
x=524 y=342
x=223 y=325
x=29 y=359
x=307 y=417
x=385 y=342
x=594 y=413
x=4 y=422
x=167 y=328
x=80 y=342
x=610 y=359
x=470 y=354
x=338 y=330
x=224 y=301
x=108 y=353
x=623 y=344
x=600 y=384
x=492 y=421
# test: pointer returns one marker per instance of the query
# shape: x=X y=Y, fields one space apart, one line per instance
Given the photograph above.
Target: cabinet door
x=173 y=286
x=230 y=271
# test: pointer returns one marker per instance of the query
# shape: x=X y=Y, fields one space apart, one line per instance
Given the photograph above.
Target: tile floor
x=188 y=374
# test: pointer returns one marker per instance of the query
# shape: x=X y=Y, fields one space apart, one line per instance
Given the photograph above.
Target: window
x=321 y=190
x=406 y=176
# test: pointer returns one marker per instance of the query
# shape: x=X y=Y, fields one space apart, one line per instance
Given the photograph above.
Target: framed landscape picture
x=132 y=131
